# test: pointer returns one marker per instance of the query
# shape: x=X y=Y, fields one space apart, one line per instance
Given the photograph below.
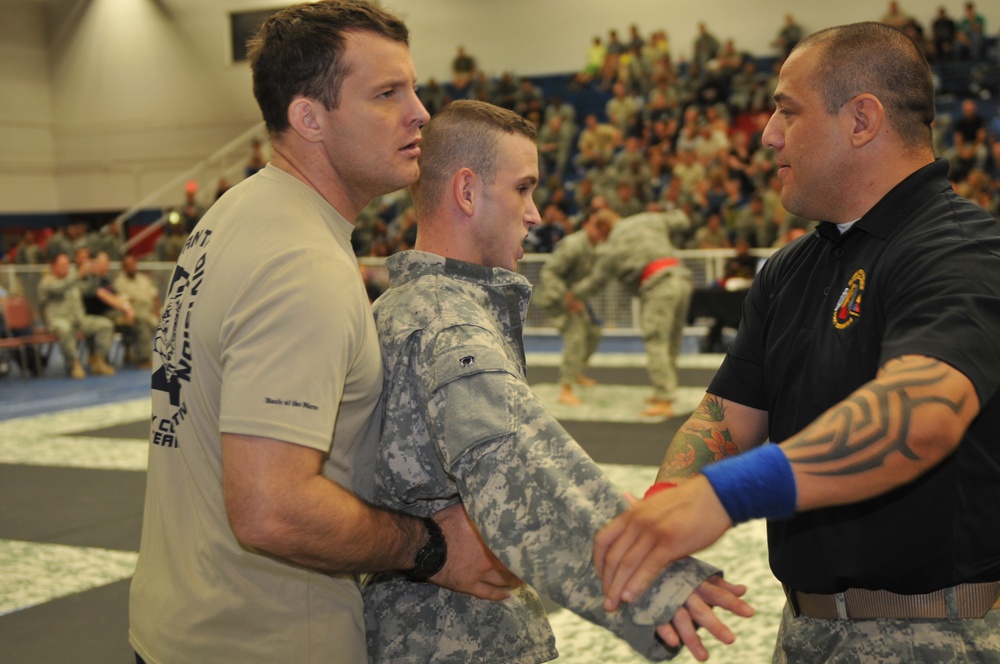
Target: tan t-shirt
x=266 y=331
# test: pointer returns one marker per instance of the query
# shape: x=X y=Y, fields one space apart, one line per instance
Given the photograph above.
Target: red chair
x=20 y=321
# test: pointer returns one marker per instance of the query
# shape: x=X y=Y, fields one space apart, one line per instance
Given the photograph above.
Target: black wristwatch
x=430 y=559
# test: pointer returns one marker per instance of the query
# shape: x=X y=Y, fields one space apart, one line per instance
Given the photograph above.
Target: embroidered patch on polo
x=849 y=305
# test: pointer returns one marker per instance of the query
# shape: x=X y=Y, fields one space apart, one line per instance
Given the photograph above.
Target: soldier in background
x=571 y=261
x=640 y=255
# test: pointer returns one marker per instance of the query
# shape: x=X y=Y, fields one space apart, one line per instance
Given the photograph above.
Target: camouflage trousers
x=581 y=336
x=812 y=641
x=100 y=328
x=664 y=302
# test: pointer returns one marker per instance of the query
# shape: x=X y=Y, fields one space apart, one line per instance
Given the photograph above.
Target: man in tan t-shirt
x=267 y=375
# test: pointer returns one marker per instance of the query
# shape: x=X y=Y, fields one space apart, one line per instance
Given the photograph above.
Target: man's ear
x=867 y=119
x=463 y=186
x=304 y=118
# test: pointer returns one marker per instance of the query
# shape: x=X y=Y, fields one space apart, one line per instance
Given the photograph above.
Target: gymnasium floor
x=72 y=461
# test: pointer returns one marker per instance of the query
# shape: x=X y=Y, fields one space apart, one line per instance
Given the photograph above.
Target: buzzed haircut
x=464 y=134
x=883 y=61
x=300 y=51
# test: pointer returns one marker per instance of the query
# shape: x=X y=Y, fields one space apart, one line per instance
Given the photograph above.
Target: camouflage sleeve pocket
x=472 y=399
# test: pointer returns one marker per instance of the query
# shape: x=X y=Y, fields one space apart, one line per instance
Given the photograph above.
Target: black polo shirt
x=918 y=274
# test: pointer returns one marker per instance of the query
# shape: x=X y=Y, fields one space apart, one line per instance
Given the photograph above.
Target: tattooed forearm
x=711 y=409
x=694 y=447
x=875 y=422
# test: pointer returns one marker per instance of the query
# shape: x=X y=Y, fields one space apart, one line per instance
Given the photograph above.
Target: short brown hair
x=883 y=61
x=300 y=51
x=464 y=134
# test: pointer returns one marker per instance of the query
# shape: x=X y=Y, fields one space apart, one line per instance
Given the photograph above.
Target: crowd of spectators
x=84 y=304
x=638 y=129
x=635 y=129
x=947 y=39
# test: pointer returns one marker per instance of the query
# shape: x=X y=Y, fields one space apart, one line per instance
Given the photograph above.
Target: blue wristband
x=755 y=484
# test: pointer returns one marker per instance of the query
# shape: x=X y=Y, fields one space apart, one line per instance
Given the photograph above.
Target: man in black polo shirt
x=869 y=349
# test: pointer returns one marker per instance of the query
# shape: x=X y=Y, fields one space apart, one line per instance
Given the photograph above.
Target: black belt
x=966 y=600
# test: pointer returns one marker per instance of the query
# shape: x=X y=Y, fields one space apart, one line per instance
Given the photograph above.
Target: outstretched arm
x=538 y=500
x=884 y=435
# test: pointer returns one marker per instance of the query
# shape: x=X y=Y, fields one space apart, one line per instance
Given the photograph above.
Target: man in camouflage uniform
x=62 y=308
x=640 y=255
x=461 y=423
x=571 y=261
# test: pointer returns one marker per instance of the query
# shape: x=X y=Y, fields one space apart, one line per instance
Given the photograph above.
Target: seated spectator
x=631 y=155
x=688 y=170
x=715 y=192
x=711 y=143
x=633 y=73
x=528 y=99
x=140 y=291
x=81 y=262
x=101 y=299
x=970 y=150
x=613 y=53
x=688 y=138
x=505 y=90
x=656 y=48
x=712 y=235
x=558 y=106
x=594 y=65
x=597 y=143
x=753 y=223
x=480 y=89
x=62 y=309
x=99 y=296
x=743 y=87
x=625 y=199
x=555 y=141
x=622 y=111
x=27 y=251
x=728 y=62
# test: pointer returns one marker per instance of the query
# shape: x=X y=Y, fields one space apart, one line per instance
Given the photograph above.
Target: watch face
x=434 y=561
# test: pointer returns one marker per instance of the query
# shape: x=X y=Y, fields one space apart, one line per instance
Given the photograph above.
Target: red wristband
x=658 y=487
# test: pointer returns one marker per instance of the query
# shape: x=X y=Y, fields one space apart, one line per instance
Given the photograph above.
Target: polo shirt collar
x=899 y=204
